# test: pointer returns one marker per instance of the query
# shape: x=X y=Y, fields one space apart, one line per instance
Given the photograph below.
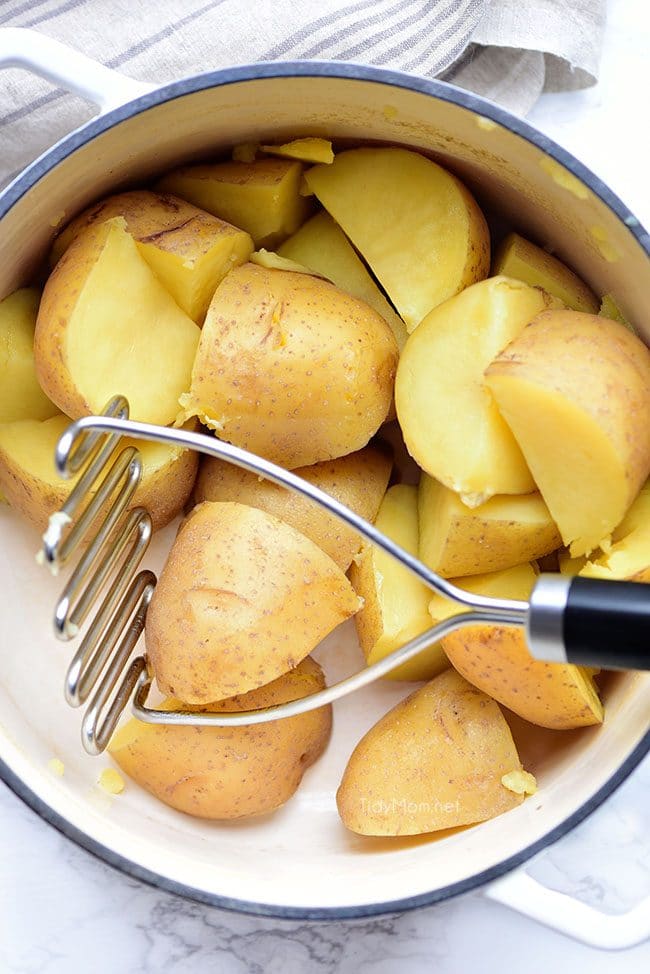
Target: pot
x=301 y=862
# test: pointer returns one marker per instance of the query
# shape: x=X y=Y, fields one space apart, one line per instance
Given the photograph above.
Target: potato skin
x=229 y=772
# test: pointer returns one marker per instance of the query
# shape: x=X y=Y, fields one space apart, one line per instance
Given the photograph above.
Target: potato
x=33 y=487
x=395 y=602
x=521 y=259
x=291 y=368
x=575 y=391
x=417 y=226
x=321 y=245
x=107 y=326
x=610 y=309
x=359 y=481
x=496 y=659
x=307 y=150
x=262 y=197
x=21 y=397
x=450 y=422
x=505 y=531
x=433 y=762
x=274 y=262
x=242 y=598
x=628 y=558
x=190 y=251
x=229 y=772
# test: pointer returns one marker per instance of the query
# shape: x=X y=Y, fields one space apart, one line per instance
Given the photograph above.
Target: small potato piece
x=242 y=598
x=521 y=259
x=433 y=762
x=291 y=368
x=417 y=226
x=21 y=397
x=321 y=245
x=359 y=481
x=229 y=772
x=307 y=150
x=262 y=197
x=107 y=326
x=628 y=558
x=190 y=251
x=275 y=262
x=505 y=531
x=610 y=309
x=575 y=391
x=33 y=487
x=450 y=422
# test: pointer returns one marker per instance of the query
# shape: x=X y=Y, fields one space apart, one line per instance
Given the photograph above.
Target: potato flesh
x=21 y=397
x=396 y=603
x=521 y=259
x=629 y=555
x=306 y=150
x=415 y=224
x=505 y=531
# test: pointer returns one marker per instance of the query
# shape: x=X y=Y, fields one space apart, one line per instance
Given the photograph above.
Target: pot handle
x=607 y=931
x=62 y=65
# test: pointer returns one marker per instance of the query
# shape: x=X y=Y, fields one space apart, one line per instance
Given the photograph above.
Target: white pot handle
x=23 y=48
x=608 y=931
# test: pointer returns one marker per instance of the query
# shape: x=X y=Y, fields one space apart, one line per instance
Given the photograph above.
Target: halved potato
x=523 y=260
x=417 y=226
x=21 y=397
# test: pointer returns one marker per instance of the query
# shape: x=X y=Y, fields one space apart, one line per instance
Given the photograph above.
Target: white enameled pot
x=301 y=862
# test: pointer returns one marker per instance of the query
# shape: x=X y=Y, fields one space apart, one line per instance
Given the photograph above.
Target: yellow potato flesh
x=261 y=197
x=505 y=531
x=450 y=422
x=629 y=555
x=575 y=391
x=229 y=772
x=358 y=480
x=610 y=309
x=321 y=245
x=242 y=599
x=21 y=397
x=433 y=762
x=521 y=259
x=415 y=224
x=275 y=262
x=395 y=607
x=307 y=150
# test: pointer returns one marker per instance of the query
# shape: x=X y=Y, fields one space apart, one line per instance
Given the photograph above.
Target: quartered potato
x=21 y=397
x=628 y=556
x=523 y=260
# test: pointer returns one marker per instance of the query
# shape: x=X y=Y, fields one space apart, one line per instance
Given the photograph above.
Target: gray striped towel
x=508 y=50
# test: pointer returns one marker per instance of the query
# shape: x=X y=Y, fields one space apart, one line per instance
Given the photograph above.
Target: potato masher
x=576 y=620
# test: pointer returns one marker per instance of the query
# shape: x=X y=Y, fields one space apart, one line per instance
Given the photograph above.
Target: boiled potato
x=229 y=772
x=262 y=196
x=628 y=557
x=417 y=226
x=291 y=368
x=321 y=245
x=33 y=487
x=307 y=150
x=575 y=391
x=242 y=598
x=505 y=531
x=190 y=251
x=358 y=480
x=107 y=326
x=275 y=262
x=521 y=259
x=433 y=762
x=496 y=660
x=21 y=397
x=395 y=602
x=610 y=309
x=450 y=422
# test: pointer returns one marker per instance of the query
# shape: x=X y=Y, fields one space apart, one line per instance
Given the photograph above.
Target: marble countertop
x=62 y=911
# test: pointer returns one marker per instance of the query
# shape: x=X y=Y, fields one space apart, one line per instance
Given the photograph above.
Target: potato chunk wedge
x=523 y=260
x=575 y=391
x=21 y=397
x=433 y=762
x=417 y=226
x=307 y=150
x=628 y=558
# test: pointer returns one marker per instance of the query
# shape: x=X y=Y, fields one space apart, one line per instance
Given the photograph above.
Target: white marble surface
x=61 y=911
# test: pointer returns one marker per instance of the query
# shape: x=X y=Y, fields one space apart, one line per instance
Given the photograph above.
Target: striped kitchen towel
x=508 y=50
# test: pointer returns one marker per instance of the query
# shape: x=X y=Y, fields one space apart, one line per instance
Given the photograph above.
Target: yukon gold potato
x=628 y=557
x=321 y=245
x=291 y=368
x=107 y=326
x=436 y=761
x=523 y=260
x=505 y=531
x=450 y=422
x=307 y=150
x=575 y=391
x=417 y=226
x=229 y=772
x=190 y=251
x=261 y=197
x=21 y=397
x=358 y=480
x=242 y=598
x=33 y=487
